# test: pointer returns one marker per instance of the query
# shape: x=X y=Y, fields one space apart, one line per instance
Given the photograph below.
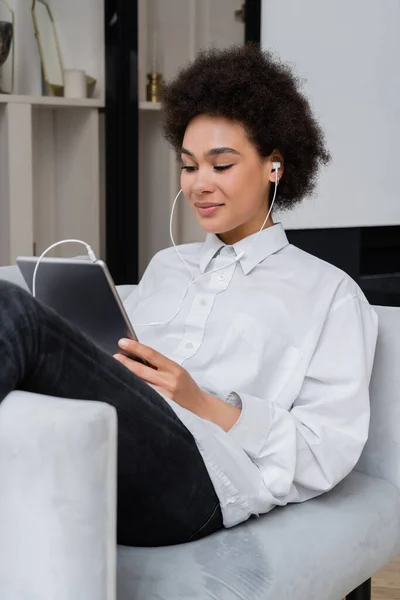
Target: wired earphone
x=275 y=165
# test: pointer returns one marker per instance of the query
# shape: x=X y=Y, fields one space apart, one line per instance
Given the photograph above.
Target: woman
x=261 y=353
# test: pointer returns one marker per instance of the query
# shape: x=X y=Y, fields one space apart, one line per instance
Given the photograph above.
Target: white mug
x=75 y=83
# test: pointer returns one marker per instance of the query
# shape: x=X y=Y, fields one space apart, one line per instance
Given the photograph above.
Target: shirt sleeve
x=307 y=450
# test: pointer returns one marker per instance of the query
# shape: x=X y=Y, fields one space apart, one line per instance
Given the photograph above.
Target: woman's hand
x=165 y=375
x=172 y=380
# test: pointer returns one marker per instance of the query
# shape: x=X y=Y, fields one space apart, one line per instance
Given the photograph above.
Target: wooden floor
x=386 y=583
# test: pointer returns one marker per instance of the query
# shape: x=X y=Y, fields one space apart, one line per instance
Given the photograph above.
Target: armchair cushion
x=320 y=549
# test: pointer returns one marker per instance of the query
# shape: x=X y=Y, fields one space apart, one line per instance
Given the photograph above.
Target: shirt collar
x=269 y=241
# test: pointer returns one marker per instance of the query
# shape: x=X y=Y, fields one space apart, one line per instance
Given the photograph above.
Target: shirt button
x=203 y=302
x=221 y=277
x=189 y=345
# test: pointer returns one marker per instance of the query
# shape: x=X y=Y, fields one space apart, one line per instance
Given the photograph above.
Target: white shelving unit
x=52 y=102
x=183 y=28
x=144 y=105
x=49 y=147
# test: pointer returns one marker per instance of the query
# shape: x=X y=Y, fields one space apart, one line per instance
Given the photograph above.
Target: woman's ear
x=276 y=166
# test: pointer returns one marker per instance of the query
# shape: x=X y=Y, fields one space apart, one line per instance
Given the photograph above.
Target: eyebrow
x=213 y=151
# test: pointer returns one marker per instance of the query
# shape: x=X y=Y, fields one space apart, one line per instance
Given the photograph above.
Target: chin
x=218 y=224
x=210 y=227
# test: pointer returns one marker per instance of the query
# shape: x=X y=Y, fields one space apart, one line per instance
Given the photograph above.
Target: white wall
x=348 y=54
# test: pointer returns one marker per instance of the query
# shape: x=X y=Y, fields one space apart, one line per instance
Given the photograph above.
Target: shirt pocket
x=243 y=333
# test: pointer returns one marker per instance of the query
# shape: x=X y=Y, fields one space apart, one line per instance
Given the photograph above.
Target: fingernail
x=123 y=343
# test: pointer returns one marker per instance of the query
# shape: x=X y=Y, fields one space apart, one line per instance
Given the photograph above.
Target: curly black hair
x=253 y=87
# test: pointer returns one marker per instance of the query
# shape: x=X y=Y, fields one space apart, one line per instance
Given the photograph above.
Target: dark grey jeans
x=165 y=495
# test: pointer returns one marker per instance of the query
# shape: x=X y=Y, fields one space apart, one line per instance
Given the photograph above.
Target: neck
x=243 y=231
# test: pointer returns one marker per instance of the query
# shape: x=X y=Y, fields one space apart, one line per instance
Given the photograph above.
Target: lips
x=206 y=204
x=207 y=208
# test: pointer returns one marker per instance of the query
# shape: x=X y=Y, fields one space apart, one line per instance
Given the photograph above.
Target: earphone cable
x=89 y=250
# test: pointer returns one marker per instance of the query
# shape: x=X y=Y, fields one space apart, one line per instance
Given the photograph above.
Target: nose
x=202 y=182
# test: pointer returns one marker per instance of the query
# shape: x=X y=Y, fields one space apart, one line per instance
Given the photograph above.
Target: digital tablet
x=84 y=293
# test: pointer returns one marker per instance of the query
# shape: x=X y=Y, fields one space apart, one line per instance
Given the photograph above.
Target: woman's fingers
x=148 y=374
x=164 y=374
x=150 y=355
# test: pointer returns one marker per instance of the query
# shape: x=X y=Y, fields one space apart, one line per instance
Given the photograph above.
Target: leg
x=165 y=495
x=363 y=592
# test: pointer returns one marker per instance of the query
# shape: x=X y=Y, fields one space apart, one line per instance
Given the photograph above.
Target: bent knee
x=10 y=291
x=6 y=285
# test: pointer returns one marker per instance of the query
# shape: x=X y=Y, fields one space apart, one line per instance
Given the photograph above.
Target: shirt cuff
x=252 y=428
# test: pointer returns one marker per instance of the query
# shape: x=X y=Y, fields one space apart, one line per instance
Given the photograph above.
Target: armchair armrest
x=57 y=498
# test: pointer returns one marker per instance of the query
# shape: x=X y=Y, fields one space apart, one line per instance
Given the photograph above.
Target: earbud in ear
x=276 y=165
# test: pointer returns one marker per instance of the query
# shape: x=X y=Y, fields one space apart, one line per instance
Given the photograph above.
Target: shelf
x=144 y=105
x=51 y=101
x=52 y=148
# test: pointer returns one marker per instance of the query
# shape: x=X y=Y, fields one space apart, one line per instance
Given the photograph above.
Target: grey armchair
x=57 y=512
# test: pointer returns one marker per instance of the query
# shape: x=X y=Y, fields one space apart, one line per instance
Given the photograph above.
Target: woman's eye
x=222 y=168
x=218 y=168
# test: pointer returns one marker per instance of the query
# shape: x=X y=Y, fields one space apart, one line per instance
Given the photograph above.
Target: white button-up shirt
x=284 y=335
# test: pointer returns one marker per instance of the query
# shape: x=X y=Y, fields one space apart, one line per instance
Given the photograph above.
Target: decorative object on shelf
x=154 y=87
x=154 y=78
x=50 y=53
x=91 y=85
x=75 y=83
x=7 y=43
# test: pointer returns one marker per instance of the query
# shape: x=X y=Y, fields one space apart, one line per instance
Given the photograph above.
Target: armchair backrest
x=125 y=290
x=13 y=274
x=381 y=456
